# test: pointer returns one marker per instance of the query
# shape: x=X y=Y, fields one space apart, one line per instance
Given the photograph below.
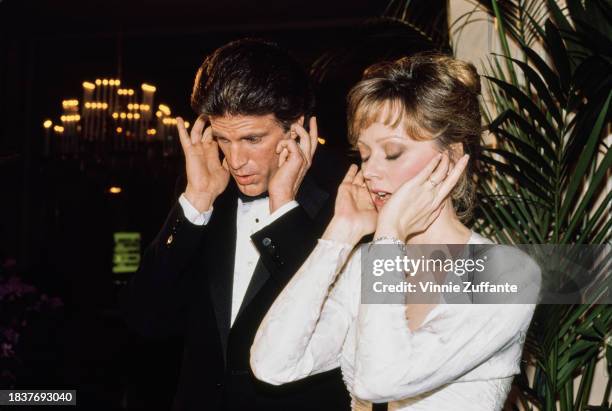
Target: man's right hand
x=207 y=177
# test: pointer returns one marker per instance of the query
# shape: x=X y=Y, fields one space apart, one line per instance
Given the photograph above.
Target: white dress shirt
x=251 y=217
x=462 y=358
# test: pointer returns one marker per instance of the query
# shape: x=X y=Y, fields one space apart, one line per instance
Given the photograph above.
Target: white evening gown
x=463 y=357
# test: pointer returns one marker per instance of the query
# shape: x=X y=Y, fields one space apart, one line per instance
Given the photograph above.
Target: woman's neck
x=446 y=229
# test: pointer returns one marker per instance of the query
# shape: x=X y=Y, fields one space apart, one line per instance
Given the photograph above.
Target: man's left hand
x=294 y=160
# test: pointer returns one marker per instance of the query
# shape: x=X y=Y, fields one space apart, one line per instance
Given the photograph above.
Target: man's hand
x=207 y=177
x=293 y=162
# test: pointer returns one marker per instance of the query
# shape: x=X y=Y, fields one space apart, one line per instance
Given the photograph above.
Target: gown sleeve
x=304 y=331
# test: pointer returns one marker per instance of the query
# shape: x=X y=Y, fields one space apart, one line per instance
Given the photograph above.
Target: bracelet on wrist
x=390 y=240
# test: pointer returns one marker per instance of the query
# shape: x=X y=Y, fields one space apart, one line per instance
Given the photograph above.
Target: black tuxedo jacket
x=184 y=287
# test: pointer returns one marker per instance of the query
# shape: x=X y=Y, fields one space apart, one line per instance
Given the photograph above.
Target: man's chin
x=251 y=190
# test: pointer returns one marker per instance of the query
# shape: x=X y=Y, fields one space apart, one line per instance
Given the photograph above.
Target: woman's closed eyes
x=393 y=156
x=388 y=156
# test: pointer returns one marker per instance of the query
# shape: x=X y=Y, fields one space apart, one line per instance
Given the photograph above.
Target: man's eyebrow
x=254 y=135
x=245 y=136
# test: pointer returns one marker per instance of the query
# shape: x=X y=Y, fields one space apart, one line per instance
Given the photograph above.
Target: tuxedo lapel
x=220 y=256
x=311 y=197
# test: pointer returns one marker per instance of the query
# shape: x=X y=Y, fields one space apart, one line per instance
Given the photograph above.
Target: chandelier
x=111 y=119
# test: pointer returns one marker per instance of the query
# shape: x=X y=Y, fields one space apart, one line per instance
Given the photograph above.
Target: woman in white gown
x=415 y=121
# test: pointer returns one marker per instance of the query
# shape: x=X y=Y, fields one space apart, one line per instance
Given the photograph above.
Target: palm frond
x=544 y=179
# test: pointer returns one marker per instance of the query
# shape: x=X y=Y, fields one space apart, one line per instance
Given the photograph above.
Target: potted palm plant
x=545 y=178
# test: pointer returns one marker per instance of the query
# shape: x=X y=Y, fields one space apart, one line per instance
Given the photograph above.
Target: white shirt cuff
x=192 y=214
x=282 y=210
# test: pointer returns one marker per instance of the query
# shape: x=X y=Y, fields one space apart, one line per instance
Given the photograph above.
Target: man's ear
x=293 y=133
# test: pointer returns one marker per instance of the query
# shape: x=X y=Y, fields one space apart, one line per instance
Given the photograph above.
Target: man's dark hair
x=252 y=77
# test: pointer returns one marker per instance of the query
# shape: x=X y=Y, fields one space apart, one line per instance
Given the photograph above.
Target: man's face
x=249 y=145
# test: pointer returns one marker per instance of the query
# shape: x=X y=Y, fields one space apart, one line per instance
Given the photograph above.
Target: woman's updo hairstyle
x=433 y=96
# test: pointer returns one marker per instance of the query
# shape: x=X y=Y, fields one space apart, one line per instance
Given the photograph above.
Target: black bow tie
x=247 y=199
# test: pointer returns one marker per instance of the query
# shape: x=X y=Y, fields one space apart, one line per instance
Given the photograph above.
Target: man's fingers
x=290 y=152
x=211 y=150
x=183 y=135
x=295 y=149
x=197 y=129
x=350 y=174
x=207 y=136
x=305 y=141
x=450 y=182
x=283 y=157
x=294 y=153
x=314 y=135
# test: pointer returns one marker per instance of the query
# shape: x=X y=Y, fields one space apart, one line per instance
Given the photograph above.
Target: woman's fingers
x=359 y=180
x=440 y=173
x=350 y=174
x=425 y=173
x=365 y=199
x=451 y=180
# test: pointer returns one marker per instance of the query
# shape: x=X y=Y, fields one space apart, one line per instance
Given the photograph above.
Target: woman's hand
x=355 y=215
x=419 y=201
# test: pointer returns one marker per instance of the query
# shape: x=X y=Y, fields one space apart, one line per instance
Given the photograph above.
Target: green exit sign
x=126 y=254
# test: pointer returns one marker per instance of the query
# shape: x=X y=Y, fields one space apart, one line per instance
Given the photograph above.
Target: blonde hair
x=434 y=97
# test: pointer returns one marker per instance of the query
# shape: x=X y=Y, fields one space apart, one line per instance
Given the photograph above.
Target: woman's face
x=389 y=158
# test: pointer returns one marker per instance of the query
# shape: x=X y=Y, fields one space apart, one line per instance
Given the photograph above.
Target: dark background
x=57 y=215
x=48 y=48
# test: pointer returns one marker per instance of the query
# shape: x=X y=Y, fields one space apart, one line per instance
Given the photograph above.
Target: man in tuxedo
x=248 y=218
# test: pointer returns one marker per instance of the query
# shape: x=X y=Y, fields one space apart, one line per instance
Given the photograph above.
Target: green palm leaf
x=555 y=119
